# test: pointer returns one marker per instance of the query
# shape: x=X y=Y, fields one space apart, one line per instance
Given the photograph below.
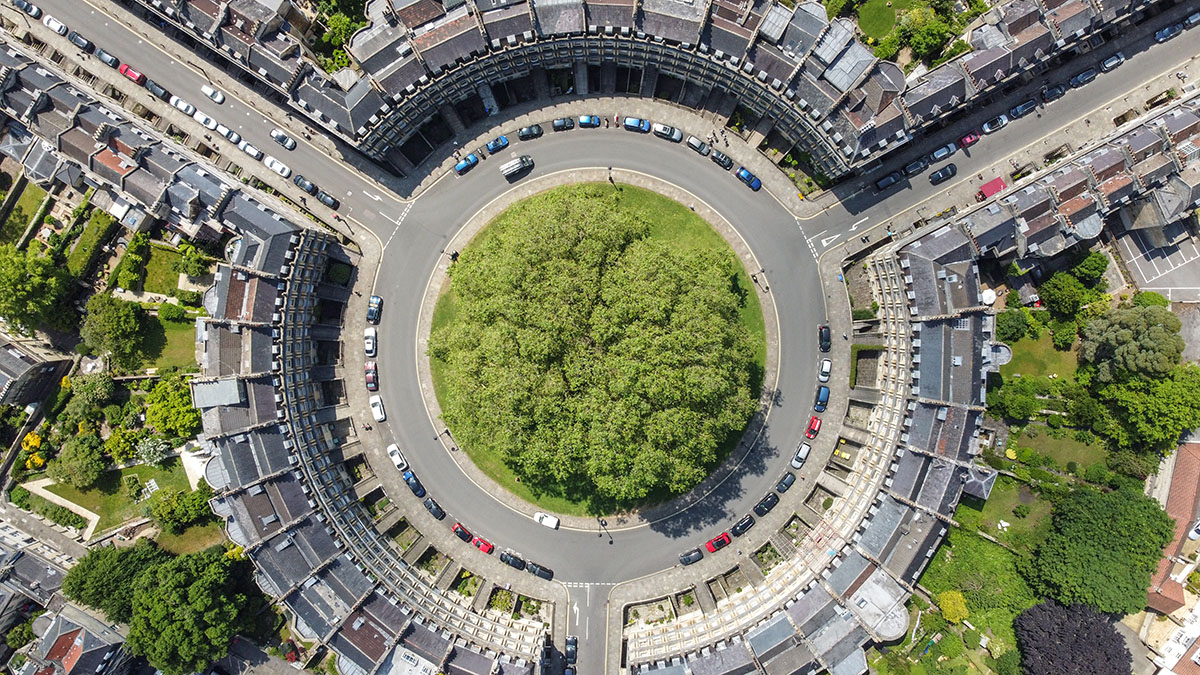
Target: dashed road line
x=399 y=220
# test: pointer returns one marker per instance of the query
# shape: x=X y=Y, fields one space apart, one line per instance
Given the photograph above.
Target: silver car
x=995 y=124
x=801 y=454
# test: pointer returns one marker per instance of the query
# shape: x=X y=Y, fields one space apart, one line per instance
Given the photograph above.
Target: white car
x=283 y=139
x=54 y=25
x=826 y=368
x=208 y=122
x=377 y=408
x=546 y=519
x=277 y=166
x=393 y=451
x=214 y=94
x=228 y=133
x=801 y=455
x=187 y=108
x=254 y=152
x=370 y=338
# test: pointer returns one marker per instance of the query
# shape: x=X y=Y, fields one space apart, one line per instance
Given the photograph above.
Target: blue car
x=635 y=124
x=497 y=144
x=418 y=490
x=589 y=121
x=466 y=164
x=748 y=178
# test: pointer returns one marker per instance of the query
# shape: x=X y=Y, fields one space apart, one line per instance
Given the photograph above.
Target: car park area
x=1173 y=270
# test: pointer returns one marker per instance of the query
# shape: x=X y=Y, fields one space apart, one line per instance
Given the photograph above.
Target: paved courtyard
x=1171 y=270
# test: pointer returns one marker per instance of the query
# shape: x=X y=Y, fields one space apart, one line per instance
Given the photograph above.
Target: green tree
x=103 y=579
x=153 y=450
x=1063 y=294
x=80 y=461
x=113 y=326
x=1091 y=268
x=34 y=288
x=953 y=606
x=1064 y=333
x=20 y=635
x=133 y=264
x=185 y=612
x=171 y=312
x=1016 y=399
x=339 y=28
x=1135 y=340
x=1150 y=298
x=1153 y=414
x=169 y=408
x=192 y=261
x=176 y=510
x=1102 y=550
x=929 y=39
x=1011 y=325
x=93 y=390
x=1009 y=663
x=121 y=444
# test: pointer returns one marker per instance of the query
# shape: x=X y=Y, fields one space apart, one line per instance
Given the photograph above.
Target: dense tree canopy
x=176 y=510
x=1102 y=550
x=93 y=390
x=1091 y=268
x=594 y=359
x=1011 y=325
x=1063 y=294
x=169 y=407
x=103 y=578
x=1135 y=340
x=80 y=461
x=1154 y=413
x=113 y=326
x=34 y=287
x=1074 y=640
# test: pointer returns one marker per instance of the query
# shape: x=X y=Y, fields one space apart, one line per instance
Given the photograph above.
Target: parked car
x=969 y=140
x=824 y=339
x=698 y=145
x=414 y=484
x=108 y=59
x=801 y=455
x=28 y=7
x=689 y=557
x=722 y=160
x=277 y=166
x=1192 y=20
x=80 y=41
x=461 y=532
x=370 y=340
x=943 y=174
x=785 y=482
x=512 y=559
x=824 y=370
x=888 y=181
x=249 y=149
x=572 y=653
x=54 y=25
x=374 y=308
x=466 y=164
x=764 y=505
x=371 y=375
x=563 y=124
x=942 y=152
x=530 y=132
x=397 y=457
x=635 y=124
x=539 y=570
x=377 y=410
x=225 y=131
x=327 y=199
x=742 y=526
x=1083 y=78
x=748 y=178
x=158 y=90
x=305 y=184
x=718 y=542
x=1054 y=93
x=1195 y=533
x=547 y=520
x=668 y=132
x=132 y=74
x=1112 y=62
x=283 y=139
x=915 y=167
x=995 y=124
x=204 y=120
x=1023 y=109
x=821 y=400
x=433 y=508
x=1168 y=32
x=814 y=427
x=216 y=96
x=497 y=144
x=589 y=121
x=183 y=106
x=483 y=544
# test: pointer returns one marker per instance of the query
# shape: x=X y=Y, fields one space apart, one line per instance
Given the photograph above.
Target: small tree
x=79 y=463
x=153 y=450
x=1063 y=294
x=953 y=606
x=1091 y=268
x=169 y=408
x=1011 y=325
x=171 y=312
x=114 y=326
x=121 y=445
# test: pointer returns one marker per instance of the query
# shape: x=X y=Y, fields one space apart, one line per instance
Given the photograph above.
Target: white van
x=516 y=166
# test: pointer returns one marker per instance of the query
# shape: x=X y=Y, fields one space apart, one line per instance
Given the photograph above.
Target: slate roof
x=450 y=40
x=508 y=21
x=616 y=13
x=807 y=22
x=556 y=17
x=988 y=66
x=942 y=89
x=676 y=20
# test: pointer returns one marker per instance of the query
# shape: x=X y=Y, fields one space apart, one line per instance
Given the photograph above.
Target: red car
x=814 y=427
x=132 y=74
x=461 y=532
x=372 y=376
x=969 y=140
x=483 y=544
x=718 y=542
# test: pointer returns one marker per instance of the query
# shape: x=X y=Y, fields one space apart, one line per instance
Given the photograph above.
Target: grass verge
x=162 y=272
x=1039 y=357
x=877 y=17
x=108 y=500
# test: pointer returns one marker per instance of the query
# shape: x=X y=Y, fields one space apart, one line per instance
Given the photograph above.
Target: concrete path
x=38 y=487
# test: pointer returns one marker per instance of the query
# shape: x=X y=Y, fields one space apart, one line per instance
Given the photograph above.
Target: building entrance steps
x=869 y=395
x=448 y=112
x=856 y=435
x=712 y=103
x=693 y=94
x=416 y=550
x=541 y=84
x=708 y=604
x=761 y=130
x=390 y=520
x=608 y=78
x=448 y=576
x=725 y=111
x=649 y=81
x=482 y=596
x=837 y=486
x=581 y=79
x=809 y=517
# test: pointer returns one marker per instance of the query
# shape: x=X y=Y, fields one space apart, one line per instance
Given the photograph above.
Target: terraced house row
x=428 y=68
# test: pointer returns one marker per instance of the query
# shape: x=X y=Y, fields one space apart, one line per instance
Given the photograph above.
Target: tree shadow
x=152 y=338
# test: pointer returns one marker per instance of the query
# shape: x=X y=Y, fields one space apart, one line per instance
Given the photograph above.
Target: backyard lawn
x=1021 y=532
x=170 y=344
x=1039 y=357
x=107 y=498
x=1063 y=450
x=192 y=540
x=22 y=212
x=162 y=276
x=876 y=17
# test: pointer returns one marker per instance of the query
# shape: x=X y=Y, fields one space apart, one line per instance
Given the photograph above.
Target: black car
x=916 y=166
x=28 y=7
x=374 y=308
x=107 y=59
x=305 y=184
x=83 y=43
x=539 y=571
x=512 y=560
x=1054 y=93
x=1023 y=109
x=823 y=337
x=563 y=124
x=461 y=532
x=722 y=160
x=689 y=557
x=742 y=526
x=434 y=510
x=530 y=132
x=1083 y=78
x=572 y=653
x=158 y=90
x=764 y=505
x=414 y=484
x=888 y=181
x=785 y=482
x=327 y=199
x=943 y=174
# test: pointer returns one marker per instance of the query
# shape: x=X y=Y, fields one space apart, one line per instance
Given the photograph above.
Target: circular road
x=594 y=556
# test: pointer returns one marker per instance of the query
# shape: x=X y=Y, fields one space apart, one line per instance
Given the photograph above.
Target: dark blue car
x=748 y=178
x=413 y=484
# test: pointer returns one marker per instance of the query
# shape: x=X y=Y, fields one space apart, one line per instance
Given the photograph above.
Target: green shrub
x=862 y=314
x=1021 y=510
x=1150 y=298
x=171 y=312
x=189 y=298
x=19 y=496
x=971 y=638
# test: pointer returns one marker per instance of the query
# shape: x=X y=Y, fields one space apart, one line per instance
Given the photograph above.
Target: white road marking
x=855 y=226
x=826 y=240
x=399 y=220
